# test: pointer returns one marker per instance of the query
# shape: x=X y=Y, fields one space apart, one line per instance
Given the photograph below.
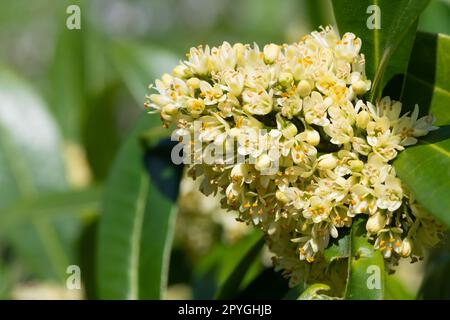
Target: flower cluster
x=322 y=155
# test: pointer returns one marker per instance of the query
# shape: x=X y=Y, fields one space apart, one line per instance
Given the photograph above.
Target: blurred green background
x=68 y=98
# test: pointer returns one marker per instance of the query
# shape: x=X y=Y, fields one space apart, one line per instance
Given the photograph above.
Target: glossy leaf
x=402 y=28
x=428 y=78
x=435 y=17
x=387 y=48
x=338 y=248
x=425 y=168
x=315 y=292
x=366 y=276
x=136 y=226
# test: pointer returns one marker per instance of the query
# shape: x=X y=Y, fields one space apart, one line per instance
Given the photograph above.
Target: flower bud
x=239 y=50
x=170 y=109
x=360 y=87
x=193 y=83
x=285 y=78
x=180 y=71
x=232 y=191
x=406 y=247
x=298 y=72
x=167 y=79
x=356 y=165
x=236 y=84
x=263 y=162
x=327 y=162
x=312 y=137
x=271 y=52
x=281 y=196
x=159 y=99
x=304 y=88
x=376 y=222
x=195 y=107
x=238 y=172
x=166 y=117
x=362 y=119
x=289 y=131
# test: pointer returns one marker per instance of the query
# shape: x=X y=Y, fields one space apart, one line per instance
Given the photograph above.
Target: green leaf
x=435 y=17
x=101 y=136
x=312 y=292
x=67 y=81
x=30 y=222
x=403 y=27
x=136 y=226
x=231 y=286
x=47 y=206
x=214 y=269
x=338 y=249
x=30 y=166
x=395 y=289
x=139 y=65
x=428 y=78
x=425 y=166
x=386 y=49
x=366 y=276
x=425 y=169
x=436 y=282
x=87 y=252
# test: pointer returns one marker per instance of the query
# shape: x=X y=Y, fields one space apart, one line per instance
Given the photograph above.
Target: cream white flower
x=316 y=109
x=376 y=222
x=298 y=152
x=257 y=101
x=211 y=94
x=348 y=47
x=409 y=128
x=199 y=60
x=318 y=210
x=389 y=194
x=234 y=82
x=340 y=131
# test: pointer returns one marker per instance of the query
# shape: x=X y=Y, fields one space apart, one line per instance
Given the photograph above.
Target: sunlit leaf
x=366 y=276
x=425 y=168
x=386 y=47
x=428 y=78
x=315 y=292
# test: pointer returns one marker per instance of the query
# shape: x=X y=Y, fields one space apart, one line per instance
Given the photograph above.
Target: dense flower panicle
x=330 y=151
